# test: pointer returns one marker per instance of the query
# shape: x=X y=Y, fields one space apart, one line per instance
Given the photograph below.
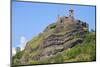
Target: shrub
x=74 y=52
x=90 y=37
x=52 y=26
x=18 y=55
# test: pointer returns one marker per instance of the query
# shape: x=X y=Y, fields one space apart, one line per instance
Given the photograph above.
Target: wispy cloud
x=23 y=40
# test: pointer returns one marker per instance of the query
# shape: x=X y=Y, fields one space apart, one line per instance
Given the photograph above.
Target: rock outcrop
x=66 y=33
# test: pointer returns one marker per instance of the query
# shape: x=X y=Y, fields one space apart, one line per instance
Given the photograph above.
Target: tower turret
x=71 y=13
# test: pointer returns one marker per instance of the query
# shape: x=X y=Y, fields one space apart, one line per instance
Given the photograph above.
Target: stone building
x=68 y=22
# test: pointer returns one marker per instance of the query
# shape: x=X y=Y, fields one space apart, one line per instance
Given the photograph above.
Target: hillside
x=66 y=40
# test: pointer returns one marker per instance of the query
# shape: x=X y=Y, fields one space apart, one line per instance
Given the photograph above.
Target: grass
x=36 y=41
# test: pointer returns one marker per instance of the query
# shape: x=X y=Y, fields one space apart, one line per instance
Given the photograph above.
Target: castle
x=63 y=22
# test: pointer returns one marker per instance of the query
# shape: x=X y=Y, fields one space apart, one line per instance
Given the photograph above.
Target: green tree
x=18 y=49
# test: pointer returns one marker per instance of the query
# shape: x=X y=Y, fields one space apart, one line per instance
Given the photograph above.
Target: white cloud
x=13 y=51
x=23 y=42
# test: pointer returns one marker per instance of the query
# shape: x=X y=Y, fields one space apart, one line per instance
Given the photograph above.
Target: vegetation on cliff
x=86 y=51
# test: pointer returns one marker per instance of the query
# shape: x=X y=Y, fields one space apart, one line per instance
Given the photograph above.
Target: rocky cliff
x=62 y=35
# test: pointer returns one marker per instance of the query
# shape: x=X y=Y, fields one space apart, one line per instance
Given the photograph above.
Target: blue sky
x=29 y=19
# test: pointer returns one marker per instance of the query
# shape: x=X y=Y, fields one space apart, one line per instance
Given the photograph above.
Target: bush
x=52 y=26
x=18 y=55
x=90 y=37
x=74 y=52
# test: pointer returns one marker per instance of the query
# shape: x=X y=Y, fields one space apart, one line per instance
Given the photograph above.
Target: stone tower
x=71 y=13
